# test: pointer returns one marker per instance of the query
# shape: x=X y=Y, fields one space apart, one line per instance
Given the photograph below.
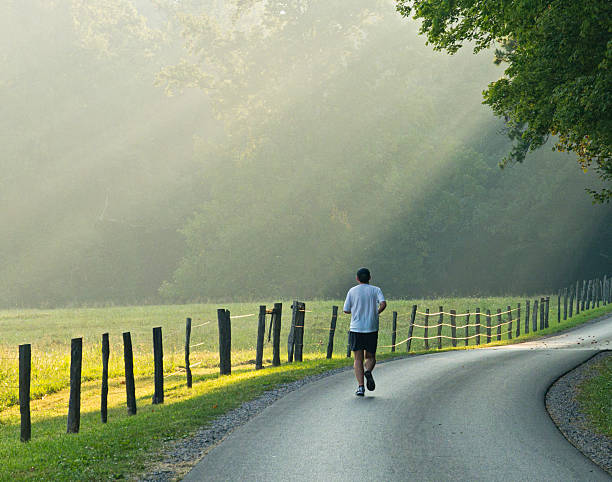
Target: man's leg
x=370 y=361
x=358 y=365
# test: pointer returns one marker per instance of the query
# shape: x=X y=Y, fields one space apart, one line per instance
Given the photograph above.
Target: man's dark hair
x=363 y=275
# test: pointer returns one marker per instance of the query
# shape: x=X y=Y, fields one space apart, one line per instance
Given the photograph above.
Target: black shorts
x=363 y=341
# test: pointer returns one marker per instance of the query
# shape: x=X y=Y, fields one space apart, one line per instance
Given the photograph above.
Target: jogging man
x=364 y=303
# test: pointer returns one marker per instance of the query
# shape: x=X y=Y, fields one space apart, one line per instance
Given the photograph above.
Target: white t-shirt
x=362 y=301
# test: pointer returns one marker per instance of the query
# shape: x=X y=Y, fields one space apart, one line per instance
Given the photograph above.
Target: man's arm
x=347 y=304
x=381 y=307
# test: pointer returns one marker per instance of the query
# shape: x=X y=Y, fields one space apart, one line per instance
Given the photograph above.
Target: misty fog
x=172 y=151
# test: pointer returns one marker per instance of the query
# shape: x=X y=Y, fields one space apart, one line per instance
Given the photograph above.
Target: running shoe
x=360 y=391
x=370 y=380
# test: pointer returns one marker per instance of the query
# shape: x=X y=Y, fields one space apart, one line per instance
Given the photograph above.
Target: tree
x=557 y=81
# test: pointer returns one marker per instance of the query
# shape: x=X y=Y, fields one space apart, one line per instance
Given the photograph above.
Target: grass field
x=595 y=397
x=124 y=445
x=50 y=331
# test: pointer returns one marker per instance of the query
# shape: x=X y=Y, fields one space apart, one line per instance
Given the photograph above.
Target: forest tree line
x=186 y=151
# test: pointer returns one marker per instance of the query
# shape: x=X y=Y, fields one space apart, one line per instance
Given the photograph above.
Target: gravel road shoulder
x=179 y=456
x=564 y=409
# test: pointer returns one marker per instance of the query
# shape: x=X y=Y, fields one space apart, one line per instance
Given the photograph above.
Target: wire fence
x=476 y=328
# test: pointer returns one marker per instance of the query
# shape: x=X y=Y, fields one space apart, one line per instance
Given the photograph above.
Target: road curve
x=462 y=415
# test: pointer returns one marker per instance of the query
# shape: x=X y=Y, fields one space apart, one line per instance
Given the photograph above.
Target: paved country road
x=459 y=415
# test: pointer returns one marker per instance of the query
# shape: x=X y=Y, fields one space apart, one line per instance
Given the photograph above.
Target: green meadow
x=127 y=445
x=49 y=332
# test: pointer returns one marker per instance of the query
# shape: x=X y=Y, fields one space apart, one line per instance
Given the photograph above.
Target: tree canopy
x=557 y=81
x=283 y=160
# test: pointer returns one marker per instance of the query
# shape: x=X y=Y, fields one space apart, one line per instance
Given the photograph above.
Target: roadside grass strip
x=128 y=445
x=595 y=397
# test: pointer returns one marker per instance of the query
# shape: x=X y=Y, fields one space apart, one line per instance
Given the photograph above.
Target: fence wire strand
x=202 y=324
x=460 y=314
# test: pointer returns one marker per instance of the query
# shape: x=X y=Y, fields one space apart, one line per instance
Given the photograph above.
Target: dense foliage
x=342 y=152
x=301 y=140
x=558 y=79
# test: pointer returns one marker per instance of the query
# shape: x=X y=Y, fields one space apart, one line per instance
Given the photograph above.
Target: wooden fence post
x=518 y=320
x=499 y=321
x=74 y=402
x=564 y=304
x=332 y=331
x=225 y=341
x=426 y=329
x=275 y=321
x=477 y=326
x=589 y=295
x=527 y=313
x=583 y=295
x=158 y=363
x=467 y=329
x=534 y=321
x=546 y=311
x=25 y=376
x=187 y=343
x=440 y=321
x=453 y=318
x=509 y=309
x=299 y=332
x=130 y=387
x=577 y=297
x=542 y=315
x=104 y=394
x=411 y=328
x=348 y=344
x=261 y=332
x=291 y=337
x=394 y=331
x=559 y=307
x=571 y=301
x=488 y=326
x=598 y=291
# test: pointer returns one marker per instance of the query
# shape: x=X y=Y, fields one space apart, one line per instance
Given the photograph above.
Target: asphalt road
x=463 y=415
